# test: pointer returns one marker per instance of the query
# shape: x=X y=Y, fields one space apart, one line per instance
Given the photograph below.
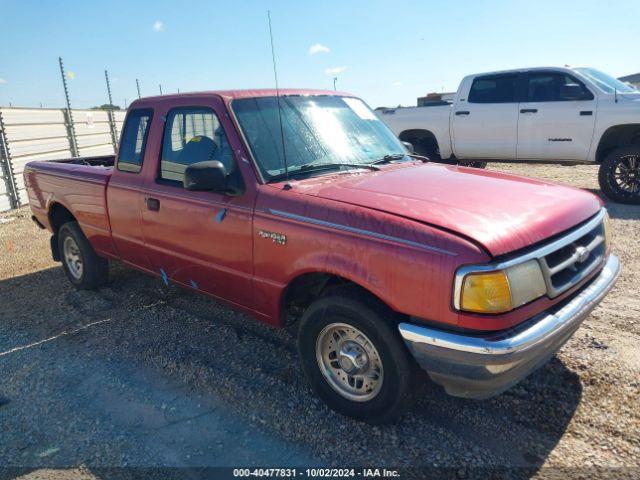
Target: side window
x=542 y=87
x=133 y=141
x=193 y=135
x=493 y=89
x=565 y=80
x=555 y=87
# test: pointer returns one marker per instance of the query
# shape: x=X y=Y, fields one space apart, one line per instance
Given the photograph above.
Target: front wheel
x=354 y=358
x=619 y=175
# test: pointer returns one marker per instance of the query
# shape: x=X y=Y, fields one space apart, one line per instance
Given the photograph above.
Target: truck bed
x=97 y=161
x=75 y=185
x=433 y=118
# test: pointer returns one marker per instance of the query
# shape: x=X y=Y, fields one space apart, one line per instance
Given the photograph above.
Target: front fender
x=400 y=268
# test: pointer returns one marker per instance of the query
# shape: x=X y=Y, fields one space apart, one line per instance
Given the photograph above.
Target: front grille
x=570 y=263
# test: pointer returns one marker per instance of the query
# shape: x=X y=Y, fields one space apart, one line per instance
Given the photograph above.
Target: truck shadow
x=214 y=351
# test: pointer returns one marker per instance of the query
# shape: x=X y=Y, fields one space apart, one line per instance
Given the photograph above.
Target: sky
x=387 y=52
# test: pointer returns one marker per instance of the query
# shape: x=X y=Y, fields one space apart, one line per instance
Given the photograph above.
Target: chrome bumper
x=485 y=365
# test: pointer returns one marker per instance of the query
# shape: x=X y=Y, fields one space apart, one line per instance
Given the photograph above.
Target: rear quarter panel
x=80 y=189
x=434 y=119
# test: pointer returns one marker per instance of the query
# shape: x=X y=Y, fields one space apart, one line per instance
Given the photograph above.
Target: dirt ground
x=142 y=375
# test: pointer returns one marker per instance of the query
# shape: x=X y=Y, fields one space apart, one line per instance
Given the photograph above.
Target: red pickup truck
x=301 y=206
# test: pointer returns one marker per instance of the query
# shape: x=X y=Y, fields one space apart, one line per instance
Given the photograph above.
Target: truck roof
x=234 y=94
x=524 y=69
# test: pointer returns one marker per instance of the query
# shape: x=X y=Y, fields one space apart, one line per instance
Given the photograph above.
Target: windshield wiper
x=388 y=158
x=422 y=158
x=318 y=167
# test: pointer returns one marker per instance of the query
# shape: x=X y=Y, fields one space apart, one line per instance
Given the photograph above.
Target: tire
x=351 y=323
x=84 y=268
x=619 y=175
x=429 y=149
x=473 y=164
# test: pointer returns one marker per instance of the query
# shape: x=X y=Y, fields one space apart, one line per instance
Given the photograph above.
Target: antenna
x=275 y=75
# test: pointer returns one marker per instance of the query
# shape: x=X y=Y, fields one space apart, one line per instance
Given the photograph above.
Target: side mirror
x=573 y=91
x=409 y=147
x=210 y=175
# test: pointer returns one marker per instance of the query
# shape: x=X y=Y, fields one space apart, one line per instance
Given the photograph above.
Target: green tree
x=106 y=106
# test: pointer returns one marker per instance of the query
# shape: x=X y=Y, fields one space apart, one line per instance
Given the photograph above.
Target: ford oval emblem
x=582 y=254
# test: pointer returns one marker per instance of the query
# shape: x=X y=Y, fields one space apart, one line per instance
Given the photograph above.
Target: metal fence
x=28 y=134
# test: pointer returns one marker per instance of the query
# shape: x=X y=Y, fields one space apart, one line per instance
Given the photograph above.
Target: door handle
x=462 y=112
x=586 y=113
x=529 y=110
x=153 y=204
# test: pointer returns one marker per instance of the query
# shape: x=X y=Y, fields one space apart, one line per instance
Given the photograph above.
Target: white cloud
x=397 y=83
x=333 y=71
x=318 y=48
x=158 y=26
x=2 y=81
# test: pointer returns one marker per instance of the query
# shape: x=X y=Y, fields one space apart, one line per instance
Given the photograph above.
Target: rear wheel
x=354 y=358
x=619 y=175
x=473 y=163
x=82 y=265
x=427 y=147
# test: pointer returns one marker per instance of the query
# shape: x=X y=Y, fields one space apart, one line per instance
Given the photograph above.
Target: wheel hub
x=353 y=358
x=349 y=361
x=73 y=257
x=627 y=174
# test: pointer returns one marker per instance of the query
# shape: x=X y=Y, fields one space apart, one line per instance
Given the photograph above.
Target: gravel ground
x=139 y=374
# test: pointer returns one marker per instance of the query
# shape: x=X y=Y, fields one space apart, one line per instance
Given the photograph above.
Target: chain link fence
x=28 y=134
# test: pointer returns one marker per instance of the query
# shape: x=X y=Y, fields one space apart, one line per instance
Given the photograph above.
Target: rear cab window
x=192 y=135
x=134 y=140
x=494 y=89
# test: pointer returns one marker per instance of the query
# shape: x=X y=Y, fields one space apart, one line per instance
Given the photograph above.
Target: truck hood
x=634 y=96
x=502 y=212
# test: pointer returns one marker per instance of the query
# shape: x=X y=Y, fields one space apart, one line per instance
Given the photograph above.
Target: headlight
x=501 y=290
x=486 y=293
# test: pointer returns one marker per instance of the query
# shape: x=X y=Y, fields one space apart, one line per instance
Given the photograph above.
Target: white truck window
x=548 y=87
x=493 y=89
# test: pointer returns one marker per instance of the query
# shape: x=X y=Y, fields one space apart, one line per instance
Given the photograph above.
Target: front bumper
x=481 y=366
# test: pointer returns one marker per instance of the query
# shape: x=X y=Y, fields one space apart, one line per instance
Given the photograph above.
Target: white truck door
x=485 y=124
x=557 y=117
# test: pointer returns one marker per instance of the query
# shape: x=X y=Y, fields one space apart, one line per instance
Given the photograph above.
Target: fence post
x=7 y=167
x=68 y=116
x=111 y=116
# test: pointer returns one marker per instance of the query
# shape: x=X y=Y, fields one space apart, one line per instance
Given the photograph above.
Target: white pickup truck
x=559 y=115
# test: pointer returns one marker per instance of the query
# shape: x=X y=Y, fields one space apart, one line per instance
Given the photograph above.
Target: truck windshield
x=605 y=82
x=317 y=130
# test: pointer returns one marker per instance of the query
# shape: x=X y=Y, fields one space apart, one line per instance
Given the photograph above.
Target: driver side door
x=199 y=239
x=552 y=126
